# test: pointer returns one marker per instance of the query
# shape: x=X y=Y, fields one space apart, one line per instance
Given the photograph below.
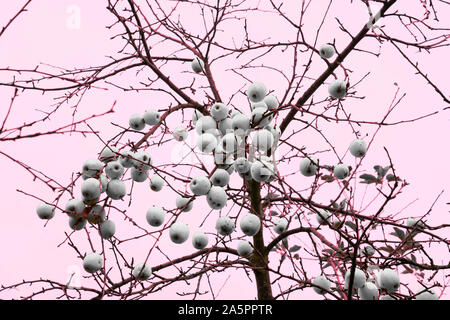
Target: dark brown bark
x=260 y=258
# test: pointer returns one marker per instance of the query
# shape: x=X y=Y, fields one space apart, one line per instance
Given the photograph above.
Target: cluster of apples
x=93 y=262
x=358 y=148
x=223 y=134
x=103 y=176
x=386 y=280
x=337 y=88
x=309 y=165
x=179 y=232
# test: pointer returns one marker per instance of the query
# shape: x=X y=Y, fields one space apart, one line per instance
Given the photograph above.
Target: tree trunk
x=259 y=258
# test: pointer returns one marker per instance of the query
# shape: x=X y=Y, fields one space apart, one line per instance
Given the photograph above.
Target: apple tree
x=274 y=179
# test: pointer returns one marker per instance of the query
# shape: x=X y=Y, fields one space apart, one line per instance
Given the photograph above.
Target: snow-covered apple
x=185 y=204
x=45 y=211
x=219 y=111
x=180 y=133
x=138 y=175
x=244 y=248
x=116 y=189
x=220 y=177
x=136 y=122
x=368 y=291
x=156 y=183
x=280 y=225
x=151 y=117
x=96 y=214
x=326 y=51
x=308 y=166
x=271 y=102
x=337 y=89
x=92 y=168
x=155 y=216
x=242 y=165
x=107 y=229
x=109 y=153
x=321 y=285
x=358 y=148
x=263 y=140
x=199 y=240
x=74 y=207
x=142 y=272
x=341 y=171
x=250 y=224
x=179 y=232
x=207 y=142
x=388 y=279
x=225 y=226
x=114 y=169
x=256 y=92
x=359 y=278
x=197 y=65
x=217 y=198
x=240 y=123
x=92 y=262
x=205 y=124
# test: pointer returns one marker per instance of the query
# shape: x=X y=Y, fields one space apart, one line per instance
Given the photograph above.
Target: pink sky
x=30 y=250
